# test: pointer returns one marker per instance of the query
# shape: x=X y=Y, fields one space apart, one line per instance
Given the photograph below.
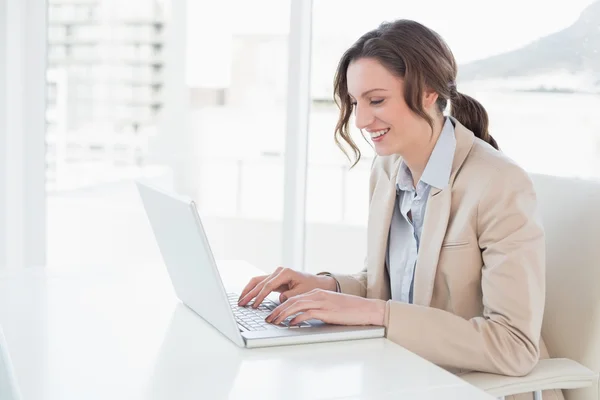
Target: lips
x=381 y=132
x=378 y=135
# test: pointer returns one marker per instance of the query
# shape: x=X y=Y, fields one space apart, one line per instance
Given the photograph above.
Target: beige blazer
x=480 y=275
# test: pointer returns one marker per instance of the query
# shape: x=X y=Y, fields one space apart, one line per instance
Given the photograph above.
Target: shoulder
x=491 y=169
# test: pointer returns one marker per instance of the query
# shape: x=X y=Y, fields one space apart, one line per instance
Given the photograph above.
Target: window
x=110 y=93
x=107 y=125
x=237 y=74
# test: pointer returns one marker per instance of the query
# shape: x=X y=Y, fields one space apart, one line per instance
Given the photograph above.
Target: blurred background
x=193 y=96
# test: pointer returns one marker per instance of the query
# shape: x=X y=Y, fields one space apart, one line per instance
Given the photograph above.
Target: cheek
x=397 y=119
x=395 y=113
x=389 y=115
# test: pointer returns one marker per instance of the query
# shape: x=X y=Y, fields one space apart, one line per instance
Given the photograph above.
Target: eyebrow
x=368 y=91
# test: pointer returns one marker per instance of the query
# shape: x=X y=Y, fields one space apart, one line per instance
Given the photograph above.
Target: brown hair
x=416 y=53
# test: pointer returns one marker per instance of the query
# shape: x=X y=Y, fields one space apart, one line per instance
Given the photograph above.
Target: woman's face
x=381 y=111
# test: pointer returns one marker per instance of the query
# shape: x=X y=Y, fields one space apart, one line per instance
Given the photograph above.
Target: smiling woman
x=446 y=251
x=384 y=81
x=520 y=75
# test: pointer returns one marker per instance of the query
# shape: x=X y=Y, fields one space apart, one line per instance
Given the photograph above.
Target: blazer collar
x=464 y=142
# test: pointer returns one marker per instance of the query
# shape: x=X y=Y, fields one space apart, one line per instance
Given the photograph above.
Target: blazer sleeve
x=355 y=284
x=505 y=339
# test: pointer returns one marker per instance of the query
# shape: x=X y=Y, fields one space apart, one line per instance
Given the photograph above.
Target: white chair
x=570 y=210
x=9 y=389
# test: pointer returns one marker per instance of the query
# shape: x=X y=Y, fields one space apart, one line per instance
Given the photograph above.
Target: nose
x=363 y=116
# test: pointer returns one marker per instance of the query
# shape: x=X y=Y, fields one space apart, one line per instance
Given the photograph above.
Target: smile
x=378 y=135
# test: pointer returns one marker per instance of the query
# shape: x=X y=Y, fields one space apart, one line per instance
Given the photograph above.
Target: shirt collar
x=439 y=167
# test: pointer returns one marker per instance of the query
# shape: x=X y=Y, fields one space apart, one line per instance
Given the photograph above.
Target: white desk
x=123 y=335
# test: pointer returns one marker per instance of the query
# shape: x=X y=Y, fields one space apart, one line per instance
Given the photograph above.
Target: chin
x=383 y=151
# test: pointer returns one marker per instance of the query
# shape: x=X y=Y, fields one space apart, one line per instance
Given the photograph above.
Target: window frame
x=23 y=66
x=296 y=139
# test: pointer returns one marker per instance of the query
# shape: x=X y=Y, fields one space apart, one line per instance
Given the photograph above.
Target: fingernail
x=283 y=298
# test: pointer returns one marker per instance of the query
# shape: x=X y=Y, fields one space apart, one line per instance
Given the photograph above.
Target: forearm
x=329 y=282
x=479 y=344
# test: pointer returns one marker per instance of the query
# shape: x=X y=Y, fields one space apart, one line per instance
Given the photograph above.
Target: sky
x=474 y=29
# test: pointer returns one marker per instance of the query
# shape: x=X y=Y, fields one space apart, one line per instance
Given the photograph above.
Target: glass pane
x=109 y=89
x=105 y=94
x=238 y=79
x=537 y=80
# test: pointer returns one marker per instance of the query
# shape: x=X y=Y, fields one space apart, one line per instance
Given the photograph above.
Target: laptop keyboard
x=250 y=319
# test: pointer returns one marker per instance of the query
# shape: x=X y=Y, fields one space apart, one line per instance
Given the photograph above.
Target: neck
x=417 y=158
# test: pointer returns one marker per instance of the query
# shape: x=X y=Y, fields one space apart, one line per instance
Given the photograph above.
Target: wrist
x=377 y=312
x=330 y=283
x=327 y=282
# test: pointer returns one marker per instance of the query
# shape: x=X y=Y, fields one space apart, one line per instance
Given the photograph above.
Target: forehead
x=367 y=73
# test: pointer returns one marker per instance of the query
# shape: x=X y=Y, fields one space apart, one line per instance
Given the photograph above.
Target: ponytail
x=472 y=115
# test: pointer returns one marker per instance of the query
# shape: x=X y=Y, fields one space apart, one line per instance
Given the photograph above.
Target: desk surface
x=124 y=335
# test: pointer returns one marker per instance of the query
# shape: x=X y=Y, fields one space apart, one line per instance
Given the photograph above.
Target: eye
x=376 y=102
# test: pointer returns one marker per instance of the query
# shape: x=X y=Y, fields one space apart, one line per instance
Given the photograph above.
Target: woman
x=455 y=265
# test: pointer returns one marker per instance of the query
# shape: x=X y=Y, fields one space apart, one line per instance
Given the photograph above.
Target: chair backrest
x=570 y=210
x=8 y=384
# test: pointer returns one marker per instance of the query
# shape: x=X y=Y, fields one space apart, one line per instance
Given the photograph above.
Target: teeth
x=375 y=135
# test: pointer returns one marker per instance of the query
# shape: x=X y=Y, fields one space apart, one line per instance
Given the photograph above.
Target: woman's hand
x=330 y=307
x=286 y=281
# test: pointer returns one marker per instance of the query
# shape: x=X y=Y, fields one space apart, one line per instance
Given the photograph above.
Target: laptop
x=195 y=277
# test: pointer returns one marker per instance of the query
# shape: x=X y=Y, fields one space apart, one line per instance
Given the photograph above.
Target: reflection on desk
x=189 y=362
x=119 y=335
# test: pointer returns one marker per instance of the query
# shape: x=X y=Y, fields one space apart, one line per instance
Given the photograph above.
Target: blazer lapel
x=380 y=216
x=437 y=216
x=434 y=230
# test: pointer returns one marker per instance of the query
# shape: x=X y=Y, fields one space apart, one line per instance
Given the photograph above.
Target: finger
x=251 y=285
x=299 y=306
x=291 y=298
x=321 y=315
x=278 y=310
x=254 y=292
x=288 y=294
x=281 y=288
x=316 y=295
x=282 y=277
x=257 y=288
